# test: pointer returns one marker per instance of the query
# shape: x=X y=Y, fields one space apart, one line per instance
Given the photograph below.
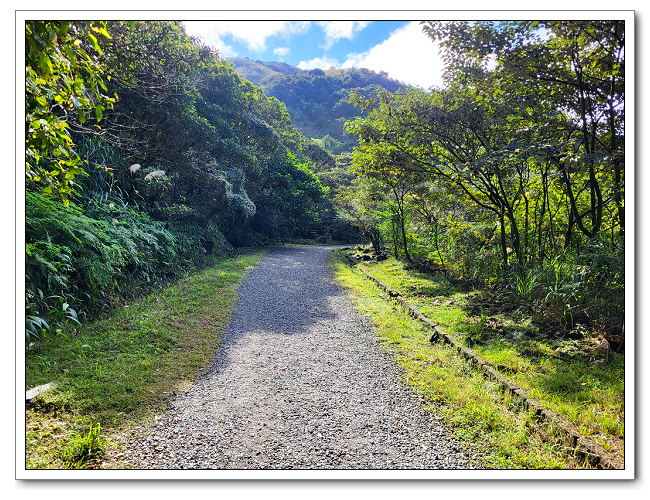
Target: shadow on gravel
x=287 y=293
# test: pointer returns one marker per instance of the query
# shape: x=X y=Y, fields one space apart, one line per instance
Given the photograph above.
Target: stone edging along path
x=583 y=446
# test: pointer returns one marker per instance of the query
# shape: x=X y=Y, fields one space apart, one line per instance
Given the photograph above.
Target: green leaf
x=93 y=40
x=63 y=28
x=45 y=63
x=101 y=31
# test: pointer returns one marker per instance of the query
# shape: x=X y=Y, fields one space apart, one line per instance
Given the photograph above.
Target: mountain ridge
x=317 y=100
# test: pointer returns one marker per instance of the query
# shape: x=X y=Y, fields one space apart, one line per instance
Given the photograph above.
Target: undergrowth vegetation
x=82 y=263
x=583 y=291
x=575 y=374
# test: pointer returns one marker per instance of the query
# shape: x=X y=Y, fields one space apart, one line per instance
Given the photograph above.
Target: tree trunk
x=504 y=248
x=569 y=231
x=574 y=215
x=526 y=227
x=435 y=240
x=515 y=237
x=617 y=195
x=375 y=239
x=540 y=245
x=394 y=238
x=404 y=240
x=618 y=185
x=401 y=214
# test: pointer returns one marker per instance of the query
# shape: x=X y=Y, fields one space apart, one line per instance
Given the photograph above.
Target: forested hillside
x=260 y=72
x=318 y=101
x=146 y=154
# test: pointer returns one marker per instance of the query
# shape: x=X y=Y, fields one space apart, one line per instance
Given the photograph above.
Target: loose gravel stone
x=300 y=382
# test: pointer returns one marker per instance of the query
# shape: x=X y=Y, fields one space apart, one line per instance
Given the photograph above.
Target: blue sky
x=397 y=47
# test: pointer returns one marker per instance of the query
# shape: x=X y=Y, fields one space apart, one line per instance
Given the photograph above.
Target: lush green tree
x=453 y=137
x=330 y=144
x=194 y=159
x=156 y=70
x=435 y=209
x=362 y=203
x=576 y=67
x=290 y=198
x=64 y=85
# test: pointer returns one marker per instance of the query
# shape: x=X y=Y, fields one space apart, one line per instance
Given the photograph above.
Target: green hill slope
x=317 y=100
x=259 y=72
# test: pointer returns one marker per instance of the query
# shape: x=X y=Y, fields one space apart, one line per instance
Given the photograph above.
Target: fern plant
x=80 y=263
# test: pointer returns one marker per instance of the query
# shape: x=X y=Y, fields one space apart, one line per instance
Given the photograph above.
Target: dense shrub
x=95 y=258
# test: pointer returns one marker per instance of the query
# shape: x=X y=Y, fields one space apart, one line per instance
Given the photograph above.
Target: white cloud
x=251 y=33
x=335 y=30
x=281 y=51
x=204 y=30
x=319 y=62
x=407 y=55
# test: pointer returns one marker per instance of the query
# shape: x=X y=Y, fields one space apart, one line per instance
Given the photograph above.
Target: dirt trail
x=300 y=382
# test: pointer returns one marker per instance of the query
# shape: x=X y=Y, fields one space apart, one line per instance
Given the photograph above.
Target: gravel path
x=300 y=382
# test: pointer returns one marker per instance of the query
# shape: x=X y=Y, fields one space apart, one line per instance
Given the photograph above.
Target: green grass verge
x=583 y=391
x=117 y=372
x=574 y=377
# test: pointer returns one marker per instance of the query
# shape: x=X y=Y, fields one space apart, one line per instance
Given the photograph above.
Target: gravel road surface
x=300 y=382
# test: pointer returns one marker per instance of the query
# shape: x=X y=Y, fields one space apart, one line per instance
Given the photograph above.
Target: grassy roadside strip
x=117 y=372
x=497 y=425
x=584 y=446
x=572 y=375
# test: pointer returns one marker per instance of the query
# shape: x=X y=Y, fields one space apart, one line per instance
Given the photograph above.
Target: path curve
x=300 y=382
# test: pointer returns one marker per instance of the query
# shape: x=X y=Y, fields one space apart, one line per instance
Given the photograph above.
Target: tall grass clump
x=587 y=290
